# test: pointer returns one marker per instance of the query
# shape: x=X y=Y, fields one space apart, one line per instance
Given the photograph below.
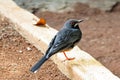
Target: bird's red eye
x=72 y=23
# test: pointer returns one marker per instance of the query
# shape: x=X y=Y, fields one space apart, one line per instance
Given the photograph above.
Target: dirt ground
x=101 y=38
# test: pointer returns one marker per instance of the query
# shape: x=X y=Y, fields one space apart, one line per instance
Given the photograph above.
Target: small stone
x=19 y=58
x=20 y=51
x=29 y=49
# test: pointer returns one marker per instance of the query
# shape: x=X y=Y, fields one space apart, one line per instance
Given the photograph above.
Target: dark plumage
x=64 y=40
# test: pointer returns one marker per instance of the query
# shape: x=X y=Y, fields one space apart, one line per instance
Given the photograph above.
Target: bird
x=68 y=36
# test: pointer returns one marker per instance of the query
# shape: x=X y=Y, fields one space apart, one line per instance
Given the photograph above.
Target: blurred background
x=101 y=35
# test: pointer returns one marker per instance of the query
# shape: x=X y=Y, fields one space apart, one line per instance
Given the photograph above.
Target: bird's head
x=72 y=23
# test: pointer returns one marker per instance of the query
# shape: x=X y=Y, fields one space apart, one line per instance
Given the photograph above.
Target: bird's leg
x=67 y=57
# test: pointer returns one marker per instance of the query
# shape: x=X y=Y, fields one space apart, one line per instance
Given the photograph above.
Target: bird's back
x=65 y=39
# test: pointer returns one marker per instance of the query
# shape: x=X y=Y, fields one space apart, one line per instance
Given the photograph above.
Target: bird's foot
x=69 y=59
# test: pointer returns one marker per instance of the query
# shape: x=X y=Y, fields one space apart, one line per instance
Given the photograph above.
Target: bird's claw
x=69 y=59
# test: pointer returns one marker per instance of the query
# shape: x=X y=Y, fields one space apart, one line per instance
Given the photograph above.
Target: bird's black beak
x=81 y=20
x=78 y=21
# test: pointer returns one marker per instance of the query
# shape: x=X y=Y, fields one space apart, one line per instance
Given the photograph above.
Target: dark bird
x=64 y=40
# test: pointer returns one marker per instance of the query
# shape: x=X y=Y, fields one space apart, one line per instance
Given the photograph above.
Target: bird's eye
x=72 y=23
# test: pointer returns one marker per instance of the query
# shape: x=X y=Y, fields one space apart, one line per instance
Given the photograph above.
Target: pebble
x=20 y=51
x=28 y=48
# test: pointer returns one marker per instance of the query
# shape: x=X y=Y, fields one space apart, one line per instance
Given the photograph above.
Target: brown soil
x=101 y=38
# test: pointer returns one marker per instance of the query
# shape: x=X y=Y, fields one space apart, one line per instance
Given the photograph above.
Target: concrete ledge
x=84 y=67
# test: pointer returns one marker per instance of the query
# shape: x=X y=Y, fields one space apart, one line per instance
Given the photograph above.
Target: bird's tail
x=38 y=64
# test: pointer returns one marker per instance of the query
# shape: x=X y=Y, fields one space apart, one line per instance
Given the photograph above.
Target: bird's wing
x=64 y=40
x=50 y=45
